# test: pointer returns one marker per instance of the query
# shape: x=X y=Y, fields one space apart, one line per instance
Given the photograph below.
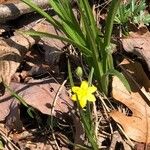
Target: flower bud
x=79 y=72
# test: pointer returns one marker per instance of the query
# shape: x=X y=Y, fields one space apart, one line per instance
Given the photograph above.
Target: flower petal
x=92 y=89
x=74 y=97
x=91 y=98
x=83 y=101
x=75 y=89
x=84 y=85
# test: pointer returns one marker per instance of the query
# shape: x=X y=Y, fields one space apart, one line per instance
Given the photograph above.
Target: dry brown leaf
x=13 y=50
x=142 y=146
x=5 y=103
x=136 y=71
x=136 y=126
x=139 y=44
x=39 y=94
x=11 y=54
x=30 y=140
x=9 y=111
x=13 y=119
x=53 y=47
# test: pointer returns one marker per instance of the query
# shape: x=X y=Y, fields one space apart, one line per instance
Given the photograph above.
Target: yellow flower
x=83 y=93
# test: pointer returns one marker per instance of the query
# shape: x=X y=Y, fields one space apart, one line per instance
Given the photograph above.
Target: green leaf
x=72 y=33
x=30 y=112
x=42 y=12
x=70 y=74
x=86 y=9
x=90 y=76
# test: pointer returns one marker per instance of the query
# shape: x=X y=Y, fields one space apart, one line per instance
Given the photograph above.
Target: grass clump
x=132 y=12
x=85 y=37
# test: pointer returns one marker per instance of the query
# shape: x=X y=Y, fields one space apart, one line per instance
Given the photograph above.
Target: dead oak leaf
x=40 y=94
x=137 y=125
x=139 y=44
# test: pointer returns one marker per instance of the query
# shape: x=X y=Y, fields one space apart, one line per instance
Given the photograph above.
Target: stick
x=12 y=11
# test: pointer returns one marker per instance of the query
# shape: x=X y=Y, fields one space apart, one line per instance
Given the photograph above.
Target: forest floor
x=45 y=118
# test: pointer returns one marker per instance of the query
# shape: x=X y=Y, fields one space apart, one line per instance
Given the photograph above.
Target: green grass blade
x=43 y=34
x=42 y=12
x=85 y=8
x=109 y=22
x=88 y=131
x=61 y=8
x=120 y=76
x=19 y=98
x=70 y=25
x=90 y=77
x=70 y=74
x=67 y=25
x=30 y=111
x=73 y=34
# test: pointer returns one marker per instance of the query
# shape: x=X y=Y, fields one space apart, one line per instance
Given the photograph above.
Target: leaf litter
x=40 y=95
x=31 y=91
x=135 y=125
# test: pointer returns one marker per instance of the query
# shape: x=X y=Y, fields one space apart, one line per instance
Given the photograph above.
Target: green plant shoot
x=95 y=49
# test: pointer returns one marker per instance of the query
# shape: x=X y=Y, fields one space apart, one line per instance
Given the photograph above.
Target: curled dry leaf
x=48 y=54
x=139 y=44
x=11 y=54
x=5 y=104
x=136 y=72
x=137 y=125
x=9 y=110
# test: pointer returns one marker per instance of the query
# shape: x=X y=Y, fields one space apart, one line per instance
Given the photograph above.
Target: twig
x=52 y=112
x=108 y=110
x=96 y=119
x=4 y=136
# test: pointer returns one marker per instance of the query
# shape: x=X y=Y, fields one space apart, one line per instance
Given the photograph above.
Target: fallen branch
x=12 y=11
